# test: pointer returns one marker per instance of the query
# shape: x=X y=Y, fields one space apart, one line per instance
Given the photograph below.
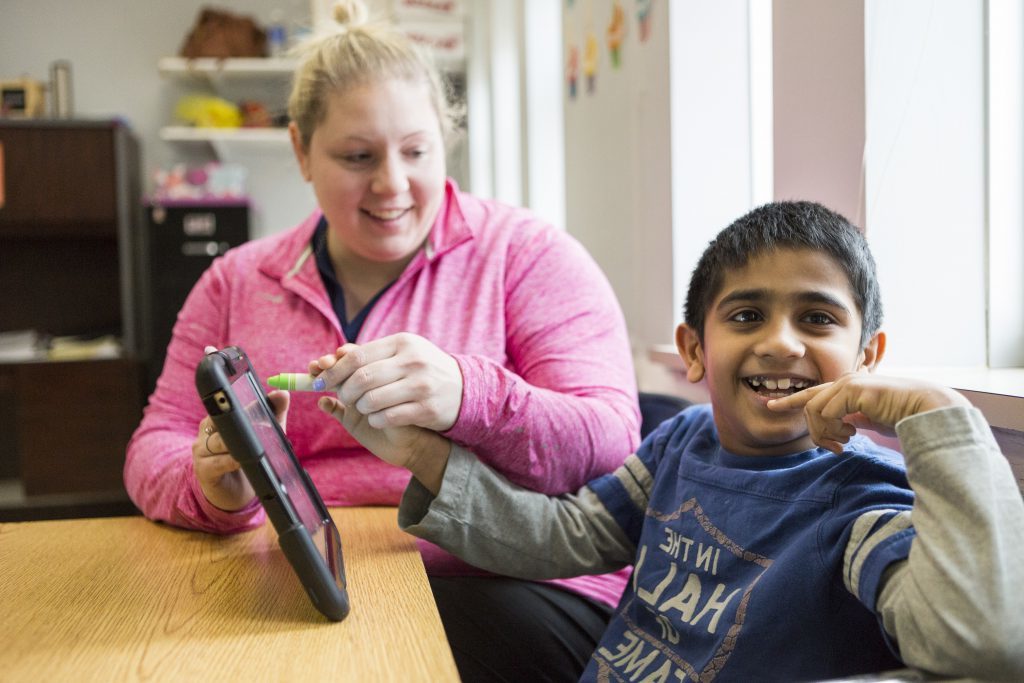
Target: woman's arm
x=563 y=410
x=568 y=412
x=159 y=474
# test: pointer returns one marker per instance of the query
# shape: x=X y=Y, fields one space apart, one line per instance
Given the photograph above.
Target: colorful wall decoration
x=582 y=46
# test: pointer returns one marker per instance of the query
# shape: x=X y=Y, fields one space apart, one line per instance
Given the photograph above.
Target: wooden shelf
x=264 y=80
x=227 y=68
x=270 y=136
x=235 y=145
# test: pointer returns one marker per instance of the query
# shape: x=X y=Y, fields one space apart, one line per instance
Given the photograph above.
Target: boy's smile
x=786 y=321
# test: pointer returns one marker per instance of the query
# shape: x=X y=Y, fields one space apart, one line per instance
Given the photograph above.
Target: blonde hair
x=359 y=53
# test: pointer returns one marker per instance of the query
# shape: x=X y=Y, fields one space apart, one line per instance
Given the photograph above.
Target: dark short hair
x=787 y=225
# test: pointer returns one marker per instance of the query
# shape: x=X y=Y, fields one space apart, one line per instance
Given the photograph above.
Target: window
x=916 y=134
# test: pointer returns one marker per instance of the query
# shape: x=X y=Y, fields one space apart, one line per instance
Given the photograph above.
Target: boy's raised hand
x=861 y=400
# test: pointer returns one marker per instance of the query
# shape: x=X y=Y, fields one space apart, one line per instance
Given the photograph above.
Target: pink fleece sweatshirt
x=549 y=394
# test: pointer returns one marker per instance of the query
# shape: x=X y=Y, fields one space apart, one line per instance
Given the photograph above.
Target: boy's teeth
x=783 y=384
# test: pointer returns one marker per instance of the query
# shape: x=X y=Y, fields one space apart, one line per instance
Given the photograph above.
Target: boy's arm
x=466 y=508
x=493 y=524
x=956 y=605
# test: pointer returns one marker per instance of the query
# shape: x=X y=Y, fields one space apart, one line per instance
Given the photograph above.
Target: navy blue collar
x=350 y=328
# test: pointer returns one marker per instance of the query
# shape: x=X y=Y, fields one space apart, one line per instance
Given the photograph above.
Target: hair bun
x=350 y=13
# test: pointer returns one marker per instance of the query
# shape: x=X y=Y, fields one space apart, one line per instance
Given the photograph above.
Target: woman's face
x=377 y=164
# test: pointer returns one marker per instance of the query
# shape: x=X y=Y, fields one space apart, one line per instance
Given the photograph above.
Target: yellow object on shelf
x=206 y=111
x=83 y=348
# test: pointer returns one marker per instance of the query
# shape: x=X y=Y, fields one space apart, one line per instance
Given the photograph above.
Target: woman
x=464 y=316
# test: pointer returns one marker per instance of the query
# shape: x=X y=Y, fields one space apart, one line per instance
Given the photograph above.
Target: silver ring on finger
x=210 y=432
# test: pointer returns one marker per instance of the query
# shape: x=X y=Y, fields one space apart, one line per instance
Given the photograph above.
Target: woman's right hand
x=219 y=474
x=398 y=380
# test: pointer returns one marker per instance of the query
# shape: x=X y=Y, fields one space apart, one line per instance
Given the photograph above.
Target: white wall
x=618 y=165
x=114 y=46
x=1006 y=178
x=712 y=145
x=658 y=158
x=618 y=169
x=544 y=117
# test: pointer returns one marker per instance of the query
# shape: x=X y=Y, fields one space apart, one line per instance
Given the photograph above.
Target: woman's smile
x=386 y=215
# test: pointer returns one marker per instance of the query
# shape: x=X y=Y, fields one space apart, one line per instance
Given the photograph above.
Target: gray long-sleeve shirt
x=801 y=556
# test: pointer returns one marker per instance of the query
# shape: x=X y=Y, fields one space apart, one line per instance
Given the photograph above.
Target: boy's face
x=784 y=321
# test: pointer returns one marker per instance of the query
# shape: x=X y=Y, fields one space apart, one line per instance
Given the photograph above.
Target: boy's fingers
x=850 y=402
x=833 y=446
x=329 y=360
x=797 y=400
x=834 y=430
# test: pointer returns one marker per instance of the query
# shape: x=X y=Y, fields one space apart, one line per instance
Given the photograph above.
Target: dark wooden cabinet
x=70 y=229
x=70 y=246
x=73 y=420
x=61 y=180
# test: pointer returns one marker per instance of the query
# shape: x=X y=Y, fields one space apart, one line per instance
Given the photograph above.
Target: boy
x=758 y=555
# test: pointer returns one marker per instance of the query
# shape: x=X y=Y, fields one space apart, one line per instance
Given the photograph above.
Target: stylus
x=292 y=381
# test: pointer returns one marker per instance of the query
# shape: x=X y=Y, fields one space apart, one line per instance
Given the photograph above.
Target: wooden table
x=127 y=599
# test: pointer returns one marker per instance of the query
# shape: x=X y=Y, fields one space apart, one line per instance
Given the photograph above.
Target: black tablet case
x=224 y=379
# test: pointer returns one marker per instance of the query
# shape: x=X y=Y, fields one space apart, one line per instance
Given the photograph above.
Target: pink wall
x=819 y=103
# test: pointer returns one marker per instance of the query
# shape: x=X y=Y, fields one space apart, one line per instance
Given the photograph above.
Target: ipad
x=234 y=398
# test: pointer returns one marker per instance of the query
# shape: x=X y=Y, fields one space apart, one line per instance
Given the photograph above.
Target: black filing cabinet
x=183 y=240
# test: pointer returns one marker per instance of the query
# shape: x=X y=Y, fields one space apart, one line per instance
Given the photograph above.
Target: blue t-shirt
x=738 y=573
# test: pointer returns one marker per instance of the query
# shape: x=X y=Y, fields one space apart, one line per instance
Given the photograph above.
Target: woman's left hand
x=403 y=379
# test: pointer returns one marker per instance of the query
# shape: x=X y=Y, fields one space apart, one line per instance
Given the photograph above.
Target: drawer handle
x=206 y=249
x=199 y=224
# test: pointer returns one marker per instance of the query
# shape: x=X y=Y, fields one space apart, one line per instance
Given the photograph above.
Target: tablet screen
x=285 y=468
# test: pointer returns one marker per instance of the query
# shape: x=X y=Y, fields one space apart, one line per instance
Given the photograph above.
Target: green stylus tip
x=278 y=382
